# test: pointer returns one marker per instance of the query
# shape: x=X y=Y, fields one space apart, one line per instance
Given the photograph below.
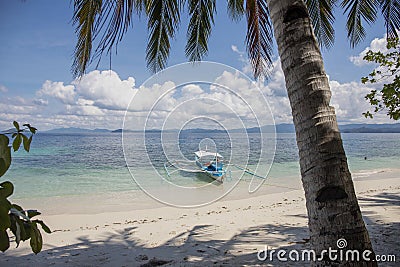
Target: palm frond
x=86 y=13
x=141 y=5
x=105 y=20
x=113 y=23
x=236 y=9
x=358 y=10
x=201 y=19
x=259 y=36
x=321 y=13
x=391 y=13
x=163 y=20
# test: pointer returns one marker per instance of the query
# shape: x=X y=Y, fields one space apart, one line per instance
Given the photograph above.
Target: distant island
x=370 y=128
x=280 y=128
x=75 y=130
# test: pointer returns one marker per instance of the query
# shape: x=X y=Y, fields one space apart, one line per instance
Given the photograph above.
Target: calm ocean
x=84 y=164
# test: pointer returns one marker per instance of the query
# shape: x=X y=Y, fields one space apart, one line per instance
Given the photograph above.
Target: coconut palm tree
x=332 y=206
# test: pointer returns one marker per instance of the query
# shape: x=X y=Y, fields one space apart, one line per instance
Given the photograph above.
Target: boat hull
x=217 y=175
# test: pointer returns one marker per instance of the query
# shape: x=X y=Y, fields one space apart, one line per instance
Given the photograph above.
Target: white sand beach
x=229 y=232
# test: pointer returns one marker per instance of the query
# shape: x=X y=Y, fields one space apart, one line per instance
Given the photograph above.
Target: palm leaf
x=163 y=20
x=108 y=20
x=358 y=10
x=199 y=29
x=236 y=9
x=391 y=13
x=259 y=36
x=85 y=14
x=321 y=13
x=113 y=23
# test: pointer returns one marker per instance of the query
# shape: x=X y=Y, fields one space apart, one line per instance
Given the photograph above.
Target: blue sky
x=37 y=43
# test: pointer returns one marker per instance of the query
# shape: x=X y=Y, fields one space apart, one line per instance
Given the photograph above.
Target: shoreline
x=117 y=201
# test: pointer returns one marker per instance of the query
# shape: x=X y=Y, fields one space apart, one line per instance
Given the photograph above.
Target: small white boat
x=211 y=163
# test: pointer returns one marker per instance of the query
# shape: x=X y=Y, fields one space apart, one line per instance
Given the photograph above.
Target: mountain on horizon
x=76 y=130
x=370 y=128
x=280 y=128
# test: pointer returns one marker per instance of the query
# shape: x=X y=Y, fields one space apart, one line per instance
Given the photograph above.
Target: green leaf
x=163 y=21
x=259 y=37
x=364 y=80
x=199 y=30
x=18 y=234
x=5 y=221
x=387 y=98
x=236 y=9
x=6 y=189
x=13 y=228
x=27 y=142
x=4 y=241
x=5 y=154
x=322 y=17
x=36 y=239
x=86 y=13
x=5 y=203
x=390 y=11
x=25 y=229
x=16 y=125
x=32 y=129
x=44 y=226
x=17 y=207
x=19 y=214
x=16 y=229
x=32 y=213
x=17 y=142
x=358 y=12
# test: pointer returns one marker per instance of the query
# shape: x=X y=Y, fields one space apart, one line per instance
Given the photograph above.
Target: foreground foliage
x=12 y=216
x=388 y=98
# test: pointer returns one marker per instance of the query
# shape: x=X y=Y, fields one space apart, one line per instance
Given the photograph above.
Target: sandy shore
x=225 y=233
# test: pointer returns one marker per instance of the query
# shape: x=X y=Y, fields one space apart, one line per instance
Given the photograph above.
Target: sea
x=68 y=165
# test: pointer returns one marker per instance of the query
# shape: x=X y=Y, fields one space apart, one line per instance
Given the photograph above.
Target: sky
x=36 y=84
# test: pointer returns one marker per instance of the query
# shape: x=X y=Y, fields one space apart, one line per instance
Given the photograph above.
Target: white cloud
x=348 y=100
x=191 y=90
x=100 y=98
x=3 y=89
x=378 y=44
x=105 y=89
x=84 y=110
x=247 y=68
x=9 y=109
x=153 y=98
x=40 y=102
x=12 y=108
x=66 y=94
x=235 y=49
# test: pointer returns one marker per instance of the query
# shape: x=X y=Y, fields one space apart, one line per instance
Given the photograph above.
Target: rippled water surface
x=61 y=164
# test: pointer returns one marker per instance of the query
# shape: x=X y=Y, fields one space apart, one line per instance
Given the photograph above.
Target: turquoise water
x=65 y=165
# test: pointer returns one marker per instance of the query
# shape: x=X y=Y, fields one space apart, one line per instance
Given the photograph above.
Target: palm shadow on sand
x=199 y=246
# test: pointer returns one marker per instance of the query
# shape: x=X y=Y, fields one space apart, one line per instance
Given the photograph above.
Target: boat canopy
x=202 y=153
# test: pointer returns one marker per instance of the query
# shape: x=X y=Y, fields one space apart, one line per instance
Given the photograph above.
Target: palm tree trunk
x=332 y=206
